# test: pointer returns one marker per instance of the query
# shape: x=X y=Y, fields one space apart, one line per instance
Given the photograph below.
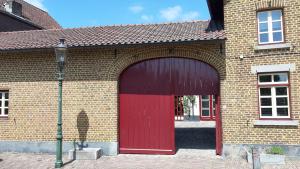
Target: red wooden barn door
x=147 y=91
x=147 y=124
x=147 y=109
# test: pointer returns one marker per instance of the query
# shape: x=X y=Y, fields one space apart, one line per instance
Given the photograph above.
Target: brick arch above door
x=216 y=60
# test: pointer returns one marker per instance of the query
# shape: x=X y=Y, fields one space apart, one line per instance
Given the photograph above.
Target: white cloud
x=171 y=13
x=176 y=13
x=147 y=18
x=136 y=9
x=37 y=3
x=190 y=15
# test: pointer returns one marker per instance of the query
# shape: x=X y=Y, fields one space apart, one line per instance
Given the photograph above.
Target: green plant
x=276 y=150
x=188 y=104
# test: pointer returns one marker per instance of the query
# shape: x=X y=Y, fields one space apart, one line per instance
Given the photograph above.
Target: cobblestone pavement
x=183 y=160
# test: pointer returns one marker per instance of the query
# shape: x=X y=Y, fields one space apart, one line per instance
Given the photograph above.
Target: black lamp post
x=61 y=56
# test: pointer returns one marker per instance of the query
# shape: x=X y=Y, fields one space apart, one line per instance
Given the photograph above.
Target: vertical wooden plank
x=218 y=126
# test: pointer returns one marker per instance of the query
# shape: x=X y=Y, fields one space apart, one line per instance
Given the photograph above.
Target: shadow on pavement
x=1 y=160
x=195 y=138
x=68 y=162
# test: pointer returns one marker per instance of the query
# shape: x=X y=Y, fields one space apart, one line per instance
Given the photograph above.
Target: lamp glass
x=61 y=54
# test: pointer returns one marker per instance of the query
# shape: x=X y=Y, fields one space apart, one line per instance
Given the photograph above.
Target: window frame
x=270 y=28
x=273 y=85
x=2 y=106
x=211 y=108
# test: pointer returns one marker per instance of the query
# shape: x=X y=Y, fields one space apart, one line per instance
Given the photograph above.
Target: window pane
x=266 y=111
x=281 y=78
x=277 y=36
x=265 y=91
x=0 y=95
x=205 y=97
x=276 y=26
x=264 y=37
x=266 y=102
x=205 y=104
x=282 y=101
x=6 y=111
x=6 y=103
x=281 y=91
x=6 y=95
x=263 y=27
x=265 y=78
x=282 y=111
x=205 y=112
x=0 y=103
x=276 y=15
x=214 y=112
x=263 y=16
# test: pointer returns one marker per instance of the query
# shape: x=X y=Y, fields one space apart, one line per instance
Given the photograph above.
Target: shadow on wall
x=1 y=160
x=82 y=127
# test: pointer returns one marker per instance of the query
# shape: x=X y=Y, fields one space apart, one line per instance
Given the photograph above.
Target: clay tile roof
x=35 y=15
x=113 y=35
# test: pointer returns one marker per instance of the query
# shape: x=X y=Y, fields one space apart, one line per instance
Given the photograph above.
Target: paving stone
x=182 y=160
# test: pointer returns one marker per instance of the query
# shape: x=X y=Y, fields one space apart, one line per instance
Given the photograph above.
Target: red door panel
x=219 y=135
x=147 y=124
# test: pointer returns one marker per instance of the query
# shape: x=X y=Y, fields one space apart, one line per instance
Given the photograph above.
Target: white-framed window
x=270 y=26
x=274 y=95
x=4 y=97
x=205 y=106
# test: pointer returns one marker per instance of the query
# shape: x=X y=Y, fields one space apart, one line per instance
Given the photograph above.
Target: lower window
x=274 y=96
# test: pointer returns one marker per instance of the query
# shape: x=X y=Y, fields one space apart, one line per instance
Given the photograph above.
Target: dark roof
x=113 y=35
x=26 y=21
x=216 y=10
x=35 y=15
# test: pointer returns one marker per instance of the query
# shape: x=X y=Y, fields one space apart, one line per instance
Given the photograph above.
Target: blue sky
x=77 y=13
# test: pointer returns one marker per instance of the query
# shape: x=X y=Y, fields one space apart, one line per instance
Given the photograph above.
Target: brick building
x=252 y=45
x=18 y=15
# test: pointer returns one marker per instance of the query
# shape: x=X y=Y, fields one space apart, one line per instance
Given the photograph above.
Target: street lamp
x=61 y=56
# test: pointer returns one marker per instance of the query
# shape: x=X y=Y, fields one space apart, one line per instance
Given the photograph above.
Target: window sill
x=276 y=122
x=273 y=46
x=3 y=117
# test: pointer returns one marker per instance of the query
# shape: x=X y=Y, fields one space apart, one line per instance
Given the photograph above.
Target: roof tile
x=113 y=35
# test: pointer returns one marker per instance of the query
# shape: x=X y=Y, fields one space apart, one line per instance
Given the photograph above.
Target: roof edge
x=116 y=45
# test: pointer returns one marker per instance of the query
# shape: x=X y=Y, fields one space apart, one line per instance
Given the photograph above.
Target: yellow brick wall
x=241 y=94
x=91 y=85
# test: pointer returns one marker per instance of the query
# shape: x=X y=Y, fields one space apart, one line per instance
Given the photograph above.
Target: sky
x=78 y=13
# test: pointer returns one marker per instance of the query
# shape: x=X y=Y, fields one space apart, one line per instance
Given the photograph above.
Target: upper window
x=270 y=27
x=274 y=95
x=3 y=103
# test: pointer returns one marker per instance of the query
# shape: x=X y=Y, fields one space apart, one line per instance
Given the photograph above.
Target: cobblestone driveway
x=182 y=161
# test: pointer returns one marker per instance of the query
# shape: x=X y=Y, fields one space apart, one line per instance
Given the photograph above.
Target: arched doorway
x=147 y=91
